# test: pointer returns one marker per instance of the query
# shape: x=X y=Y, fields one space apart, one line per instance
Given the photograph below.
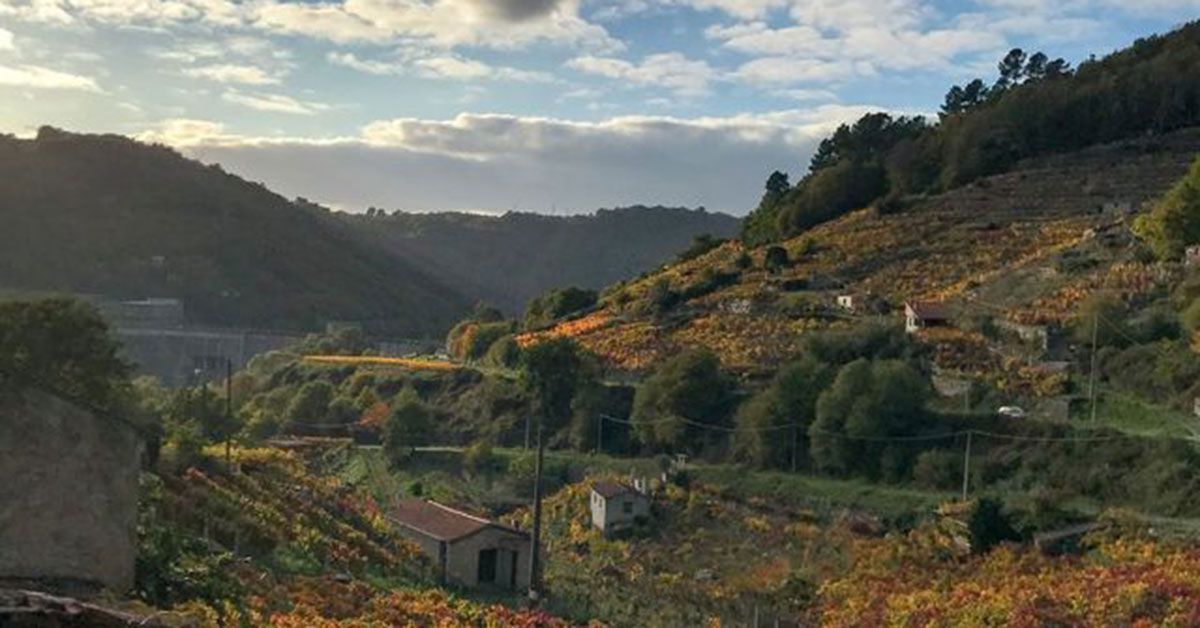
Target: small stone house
x=466 y=550
x=68 y=495
x=920 y=315
x=617 y=506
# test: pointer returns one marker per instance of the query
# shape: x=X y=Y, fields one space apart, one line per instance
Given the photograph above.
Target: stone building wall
x=68 y=494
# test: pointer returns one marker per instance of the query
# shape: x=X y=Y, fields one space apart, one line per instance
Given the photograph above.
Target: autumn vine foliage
x=276 y=544
x=1121 y=581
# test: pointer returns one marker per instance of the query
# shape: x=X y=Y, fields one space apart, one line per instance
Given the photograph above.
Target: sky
x=550 y=106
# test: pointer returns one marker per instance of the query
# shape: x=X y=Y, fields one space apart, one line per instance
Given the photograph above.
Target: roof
x=442 y=522
x=929 y=310
x=609 y=490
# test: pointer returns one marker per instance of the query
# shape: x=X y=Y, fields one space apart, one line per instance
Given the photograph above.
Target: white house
x=1191 y=256
x=849 y=302
x=919 y=315
x=617 y=506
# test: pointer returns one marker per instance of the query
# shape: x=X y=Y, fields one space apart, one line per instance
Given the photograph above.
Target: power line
x=899 y=439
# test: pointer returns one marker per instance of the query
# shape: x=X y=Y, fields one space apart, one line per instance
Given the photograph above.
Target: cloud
x=6 y=40
x=515 y=10
x=501 y=24
x=438 y=66
x=276 y=103
x=232 y=73
x=670 y=70
x=447 y=23
x=498 y=162
x=34 y=77
x=834 y=40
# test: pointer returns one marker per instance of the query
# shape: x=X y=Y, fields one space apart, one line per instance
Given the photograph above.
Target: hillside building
x=849 y=302
x=466 y=550
x=1191 y=256
x=69 y=496
x=617 y=506
x=920 y=315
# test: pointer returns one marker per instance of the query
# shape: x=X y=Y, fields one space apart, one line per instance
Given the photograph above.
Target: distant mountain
x=107 y=215
x=508 y=260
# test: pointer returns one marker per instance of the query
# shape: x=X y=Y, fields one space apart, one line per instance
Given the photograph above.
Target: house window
x=627 y=507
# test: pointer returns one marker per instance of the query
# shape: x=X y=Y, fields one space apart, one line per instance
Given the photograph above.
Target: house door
x=487 y=566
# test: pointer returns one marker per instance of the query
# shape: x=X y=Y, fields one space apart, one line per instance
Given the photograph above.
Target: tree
x=1101 y=317
x=1035 y=67
x=764 y=436
x=409 y=426
x=310 y=406
x=676 y=407
x=700 y=245
x=761 y=226
x=64 y=346
x=1012 y=69
x=778 y=183
x=866 y=402
x=965 y=98
x=551 y=374
x=207 y=410
x=1174 y=222
x=776 y=259
x=660 y=298
x=557 y=304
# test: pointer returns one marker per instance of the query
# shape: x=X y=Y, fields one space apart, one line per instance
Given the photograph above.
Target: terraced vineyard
x=1001 y=247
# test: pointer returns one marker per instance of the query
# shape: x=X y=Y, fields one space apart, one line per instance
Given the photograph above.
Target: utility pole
x=795 y=444
x=966 y=467
x=528 y=418
x=1092 y=374
x=228 y=413
x=535 y=566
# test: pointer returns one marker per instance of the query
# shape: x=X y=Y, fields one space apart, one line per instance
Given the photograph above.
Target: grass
x=1132 y=415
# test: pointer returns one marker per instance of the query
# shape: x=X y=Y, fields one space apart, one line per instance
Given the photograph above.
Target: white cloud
x=491 y=161
x=233 y=73
x=367 y=66
x=807 y=94
x=276 y=103
x=833 y=40
x=447 y=23
x=670 y=70
x=6 y=40
x=35 y=77
x=790 y=71
x=438 y=66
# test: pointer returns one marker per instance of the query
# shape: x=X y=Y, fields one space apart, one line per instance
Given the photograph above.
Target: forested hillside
x=1034 y=108
x=107 y=215
x=508 y=260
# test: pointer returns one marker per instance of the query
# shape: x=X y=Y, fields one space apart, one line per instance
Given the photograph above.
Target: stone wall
x=68 y=494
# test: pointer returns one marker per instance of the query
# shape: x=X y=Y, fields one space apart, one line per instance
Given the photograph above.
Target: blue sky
x=536 y=105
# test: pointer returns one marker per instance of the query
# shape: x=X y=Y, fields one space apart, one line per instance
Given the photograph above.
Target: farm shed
x=466 y=550
x=617 y=506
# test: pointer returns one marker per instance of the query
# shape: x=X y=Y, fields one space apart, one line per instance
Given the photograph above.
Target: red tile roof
x=929 y=310
x=609 y=490
x=441 y=522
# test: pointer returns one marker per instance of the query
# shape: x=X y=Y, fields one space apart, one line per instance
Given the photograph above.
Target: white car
x=1012 y=412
